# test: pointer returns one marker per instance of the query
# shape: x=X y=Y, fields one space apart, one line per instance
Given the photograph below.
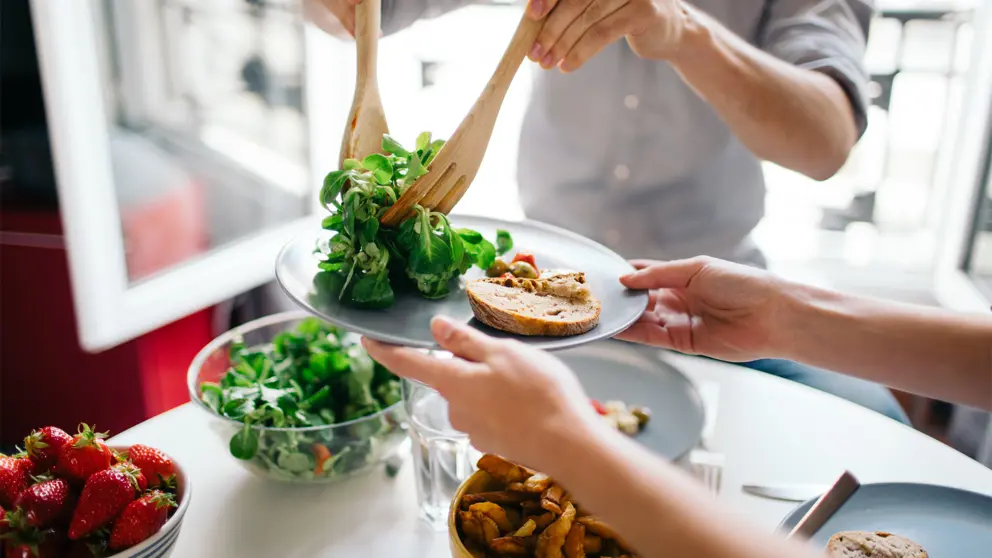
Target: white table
x=770 y=430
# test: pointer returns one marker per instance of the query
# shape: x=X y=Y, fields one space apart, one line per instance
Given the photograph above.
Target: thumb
x=461 y=339
x=675 y=274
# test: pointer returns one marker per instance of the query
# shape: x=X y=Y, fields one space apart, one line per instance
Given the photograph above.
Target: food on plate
x=878 y=544
x=513 y=518
x=69 y=509
x=314 y=376
x=528 y=301
x=629 y=420
x=363 y=262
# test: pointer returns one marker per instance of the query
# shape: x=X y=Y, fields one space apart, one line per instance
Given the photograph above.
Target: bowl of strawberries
x=75 y=496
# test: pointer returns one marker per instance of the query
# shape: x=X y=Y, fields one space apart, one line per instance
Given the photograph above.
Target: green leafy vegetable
x=424 y=251
x=313 y=376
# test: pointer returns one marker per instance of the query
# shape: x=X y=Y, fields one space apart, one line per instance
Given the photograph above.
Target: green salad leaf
x=313 y=376
x=425 y=251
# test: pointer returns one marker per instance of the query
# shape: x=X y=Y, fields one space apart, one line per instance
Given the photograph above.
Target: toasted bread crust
x=879 y=544
x=541 y=313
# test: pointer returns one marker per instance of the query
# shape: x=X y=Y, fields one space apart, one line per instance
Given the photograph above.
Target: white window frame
x=967 y=184
x=109 y=308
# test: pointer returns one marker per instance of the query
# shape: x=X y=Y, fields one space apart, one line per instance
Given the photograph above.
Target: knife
x=786 y=492
x=826 y=506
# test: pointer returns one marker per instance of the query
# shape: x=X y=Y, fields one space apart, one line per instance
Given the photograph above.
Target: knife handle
x=826 y=506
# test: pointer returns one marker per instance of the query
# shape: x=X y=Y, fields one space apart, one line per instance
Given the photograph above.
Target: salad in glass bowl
x=298 y=399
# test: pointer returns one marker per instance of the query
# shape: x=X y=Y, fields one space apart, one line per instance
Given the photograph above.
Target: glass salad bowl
x=295 y=399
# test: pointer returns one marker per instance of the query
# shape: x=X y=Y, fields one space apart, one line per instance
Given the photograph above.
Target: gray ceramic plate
x=945 y=521
x=637 y=376
x=407 y=322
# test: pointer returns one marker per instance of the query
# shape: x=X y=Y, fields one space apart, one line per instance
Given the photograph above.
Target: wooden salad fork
x=367 y=120
x=456 y=164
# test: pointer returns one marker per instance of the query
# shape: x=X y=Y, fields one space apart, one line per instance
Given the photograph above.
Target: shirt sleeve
x=397 y=15
x=826 y=36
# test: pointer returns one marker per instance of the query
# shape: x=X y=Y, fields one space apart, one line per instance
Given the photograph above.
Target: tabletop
x=770 y=430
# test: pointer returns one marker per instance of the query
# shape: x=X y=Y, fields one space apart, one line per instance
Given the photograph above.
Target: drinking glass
x=442 y=456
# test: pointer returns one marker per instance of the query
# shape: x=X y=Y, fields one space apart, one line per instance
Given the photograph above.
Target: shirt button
x=622 y=172
x=631 y=101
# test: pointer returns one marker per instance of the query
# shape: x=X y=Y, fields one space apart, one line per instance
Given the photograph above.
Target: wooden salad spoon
x=367 y=120
x=456 y=164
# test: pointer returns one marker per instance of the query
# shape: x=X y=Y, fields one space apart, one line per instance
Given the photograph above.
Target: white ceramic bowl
x=160 y=544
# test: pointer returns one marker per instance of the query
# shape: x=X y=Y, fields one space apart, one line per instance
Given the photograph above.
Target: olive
x=523 y=270
x=643 y=414
x=498 y=268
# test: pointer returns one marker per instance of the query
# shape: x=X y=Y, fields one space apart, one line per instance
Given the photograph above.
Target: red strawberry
x=153 y=463
x=47 y=502
x=3 y=521
x=15 y=476
x=141 y=519
x=44 y=445
x=132 y=469
x=105 y=495
x=86 y=455
x=32 y=543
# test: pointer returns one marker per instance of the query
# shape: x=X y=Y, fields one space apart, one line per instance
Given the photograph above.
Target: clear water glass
x=442 y=456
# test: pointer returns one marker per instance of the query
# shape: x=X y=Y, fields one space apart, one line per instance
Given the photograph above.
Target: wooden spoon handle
x=367 y=22
x=521 y=43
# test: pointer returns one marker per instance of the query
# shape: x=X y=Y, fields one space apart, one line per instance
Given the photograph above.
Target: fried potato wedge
x=592 y=544
x=502 y=497
x=495 y=513
x=550 y=542
x=536 y=484
x=544 y=520
x=551 y=499
x=513 y=546
x=526 y=530
x=490 y=530
x=596 y=526
x=575 y=541
x=502 y=470
x=471 y=527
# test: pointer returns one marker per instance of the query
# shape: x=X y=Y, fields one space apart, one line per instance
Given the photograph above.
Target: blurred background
x=181 y=143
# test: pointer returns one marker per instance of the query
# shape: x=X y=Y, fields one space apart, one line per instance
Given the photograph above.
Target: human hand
x=710 y=307
x=511 y=399
x=576 y=30
x=332 y=16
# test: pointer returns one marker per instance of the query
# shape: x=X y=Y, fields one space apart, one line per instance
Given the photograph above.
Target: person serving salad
x=649 y=134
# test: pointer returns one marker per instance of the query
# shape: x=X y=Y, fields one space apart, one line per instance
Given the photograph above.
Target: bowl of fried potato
x=506 y=510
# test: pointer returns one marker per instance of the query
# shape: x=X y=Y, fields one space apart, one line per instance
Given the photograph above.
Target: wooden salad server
x=456 y=164
x=367 y=120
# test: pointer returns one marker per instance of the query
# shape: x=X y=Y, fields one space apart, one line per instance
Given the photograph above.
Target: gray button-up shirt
x=624 y=152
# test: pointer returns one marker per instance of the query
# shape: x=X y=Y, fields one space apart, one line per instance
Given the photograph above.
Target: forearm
x=913 y=348
x=655 y=507
x=798 y=118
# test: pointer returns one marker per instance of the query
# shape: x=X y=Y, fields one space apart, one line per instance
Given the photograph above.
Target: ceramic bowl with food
x=505 y=509
x=161 y=544
x=480 y=481
x=295 y=399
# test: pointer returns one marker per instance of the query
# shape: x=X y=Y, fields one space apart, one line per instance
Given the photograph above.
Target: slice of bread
x=879 y=544
x=557 y=304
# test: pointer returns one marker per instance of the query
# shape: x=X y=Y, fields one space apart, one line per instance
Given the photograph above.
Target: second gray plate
x=407 y=322
x=945 y=521
x=637 y=376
